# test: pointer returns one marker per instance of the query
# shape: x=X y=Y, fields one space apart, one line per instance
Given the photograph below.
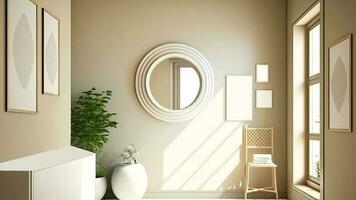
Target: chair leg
x=247 y=181
x=275 y=181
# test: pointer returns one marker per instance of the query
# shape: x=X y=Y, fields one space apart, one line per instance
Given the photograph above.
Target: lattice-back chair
x=259 y=138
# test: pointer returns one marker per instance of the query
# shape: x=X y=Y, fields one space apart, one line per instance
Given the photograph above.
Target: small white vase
x=129 y=182
x=100 y=188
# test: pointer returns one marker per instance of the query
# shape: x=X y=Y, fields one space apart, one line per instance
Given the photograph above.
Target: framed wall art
x=239 y=94
x=50 y=54
x=340 y=85
x=264 y=98
x=21 y=56
x=262 y=73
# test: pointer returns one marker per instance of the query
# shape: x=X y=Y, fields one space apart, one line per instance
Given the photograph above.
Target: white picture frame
x=264 y=99
x=239 y=98
x=21 y=56
x=50 y=55
x=340 y=85
x=262 y=73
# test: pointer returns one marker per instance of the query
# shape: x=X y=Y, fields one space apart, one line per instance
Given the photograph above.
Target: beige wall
x=204 y=156
x=340 y=174
x=24 y=134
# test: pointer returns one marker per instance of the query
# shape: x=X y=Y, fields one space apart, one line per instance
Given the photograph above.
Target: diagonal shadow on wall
x=208 y=157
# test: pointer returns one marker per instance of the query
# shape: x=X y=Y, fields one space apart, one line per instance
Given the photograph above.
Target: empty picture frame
x=50 y=55
x=340 y=85
x=264 y=98
x=239 y=94
x=21 y=56
x=262 y=73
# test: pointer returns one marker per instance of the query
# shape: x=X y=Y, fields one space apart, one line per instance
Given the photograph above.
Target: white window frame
x=312 y=80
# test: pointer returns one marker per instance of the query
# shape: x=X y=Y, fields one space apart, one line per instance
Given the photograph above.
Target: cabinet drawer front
x=74 y=180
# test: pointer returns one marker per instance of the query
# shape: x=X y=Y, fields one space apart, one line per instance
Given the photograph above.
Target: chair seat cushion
x=251 y=164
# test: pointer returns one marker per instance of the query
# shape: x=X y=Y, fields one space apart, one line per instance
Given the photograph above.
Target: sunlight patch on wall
x=211 y=174
x=206 y=152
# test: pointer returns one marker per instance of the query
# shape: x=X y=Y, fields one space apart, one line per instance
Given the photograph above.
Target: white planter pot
x=100 y=188
x=129 y=182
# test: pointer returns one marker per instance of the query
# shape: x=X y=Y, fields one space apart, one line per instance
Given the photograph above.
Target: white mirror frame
x=146 y=67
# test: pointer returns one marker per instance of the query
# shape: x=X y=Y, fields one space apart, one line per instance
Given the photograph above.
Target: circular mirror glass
x=175 y=83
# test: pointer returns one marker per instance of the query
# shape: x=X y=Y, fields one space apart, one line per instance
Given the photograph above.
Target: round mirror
x=175 y=83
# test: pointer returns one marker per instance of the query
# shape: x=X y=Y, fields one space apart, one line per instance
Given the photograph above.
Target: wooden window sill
x=307 y=192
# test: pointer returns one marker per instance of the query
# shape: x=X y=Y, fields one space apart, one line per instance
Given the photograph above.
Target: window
x=314 y=101
x=307 y=116
x=314 y=50
x=185 y=83
x=189 y=85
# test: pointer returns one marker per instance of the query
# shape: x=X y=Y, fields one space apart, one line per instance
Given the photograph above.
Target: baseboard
x=209 y=195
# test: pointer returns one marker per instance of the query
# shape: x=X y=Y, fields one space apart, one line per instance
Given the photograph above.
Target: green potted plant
x=90 y=126
x=318 y=169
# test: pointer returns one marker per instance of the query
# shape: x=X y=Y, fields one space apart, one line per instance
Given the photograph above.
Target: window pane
x=314 y=51
x=189 y=86
x=314 y=108
x=314 y=158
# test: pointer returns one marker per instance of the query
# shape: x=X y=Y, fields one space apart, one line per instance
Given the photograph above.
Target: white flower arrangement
x=129 y=154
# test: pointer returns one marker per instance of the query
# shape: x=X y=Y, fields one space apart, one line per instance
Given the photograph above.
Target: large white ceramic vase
x=129 y=181
x=100 y=188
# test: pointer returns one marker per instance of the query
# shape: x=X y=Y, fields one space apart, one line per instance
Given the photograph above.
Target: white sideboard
x=67 y=173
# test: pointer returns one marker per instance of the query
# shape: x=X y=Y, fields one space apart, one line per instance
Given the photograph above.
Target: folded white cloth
x=262 y=158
